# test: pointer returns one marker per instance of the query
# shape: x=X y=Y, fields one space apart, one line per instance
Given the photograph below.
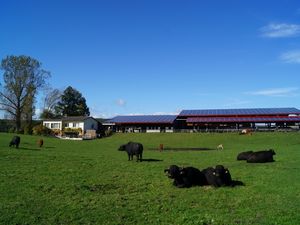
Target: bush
x=11 y=130
x=42 y=130
x=72 y=131
x=27 y=130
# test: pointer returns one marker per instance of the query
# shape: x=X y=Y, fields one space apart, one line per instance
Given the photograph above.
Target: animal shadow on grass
x=29 y=149
x=152 y=160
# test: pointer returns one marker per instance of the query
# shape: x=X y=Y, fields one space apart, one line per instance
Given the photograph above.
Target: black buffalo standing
x=133 y=148
x=244 y=155
x=261 y=156
x=15 y=141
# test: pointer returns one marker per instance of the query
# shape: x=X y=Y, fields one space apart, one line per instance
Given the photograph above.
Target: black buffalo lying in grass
x=133 y=148
x=173 y=172
x=261 y=156
x=185 y=177
x=244 y=155
x=190 y=176
x=15 y=141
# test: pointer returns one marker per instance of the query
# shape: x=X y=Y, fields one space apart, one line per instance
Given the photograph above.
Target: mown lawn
x=90 y=182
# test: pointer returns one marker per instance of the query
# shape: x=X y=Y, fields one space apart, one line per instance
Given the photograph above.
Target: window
x=55 y=125
x=47 y=125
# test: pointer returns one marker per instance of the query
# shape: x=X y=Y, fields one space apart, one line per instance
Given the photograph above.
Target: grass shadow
x=28 y=149
x=183 y=149
x=152 y=160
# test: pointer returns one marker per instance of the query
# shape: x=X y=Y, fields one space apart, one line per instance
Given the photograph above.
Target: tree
x=23 y=77
x=53 y=96
x=72 y=103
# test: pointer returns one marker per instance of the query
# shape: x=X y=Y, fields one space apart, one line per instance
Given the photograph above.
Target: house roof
x=236 y=112
x=143 y=119
x=71 y=119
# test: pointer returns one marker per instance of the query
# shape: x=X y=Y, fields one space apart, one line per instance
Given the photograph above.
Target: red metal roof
x=240 y=112
x=243 y=119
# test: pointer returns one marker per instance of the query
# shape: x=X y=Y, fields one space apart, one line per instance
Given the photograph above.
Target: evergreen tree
x=72 y=103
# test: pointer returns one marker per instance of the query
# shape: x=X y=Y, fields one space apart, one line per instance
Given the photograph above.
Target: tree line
x=23 y=79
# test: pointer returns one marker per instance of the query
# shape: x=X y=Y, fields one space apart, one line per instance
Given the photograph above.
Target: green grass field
x=90 y=182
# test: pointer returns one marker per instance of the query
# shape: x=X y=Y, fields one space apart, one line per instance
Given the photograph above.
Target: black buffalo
x=244 y=155
x=173 y=172
x=261 y=156
x=211 y=177
x=15 y=141
x=224 y=176
x=133 y=148
x=185 y=177
x=192 y=177
x=219 y=177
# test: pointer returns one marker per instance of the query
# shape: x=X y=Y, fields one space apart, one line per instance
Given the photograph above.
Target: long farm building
x=204 y=120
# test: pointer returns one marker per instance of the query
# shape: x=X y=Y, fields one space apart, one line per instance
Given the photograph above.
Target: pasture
x=90 y=182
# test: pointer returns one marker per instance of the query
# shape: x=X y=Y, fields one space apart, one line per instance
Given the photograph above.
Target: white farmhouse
x=82 y=124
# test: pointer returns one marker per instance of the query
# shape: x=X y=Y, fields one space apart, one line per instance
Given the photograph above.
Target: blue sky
x=161 y=56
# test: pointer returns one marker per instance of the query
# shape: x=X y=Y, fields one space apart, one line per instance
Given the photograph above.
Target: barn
x=205 y=120
x=142 y=123
x=235 y=119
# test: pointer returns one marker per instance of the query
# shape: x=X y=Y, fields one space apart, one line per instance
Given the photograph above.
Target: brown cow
x=41 y=143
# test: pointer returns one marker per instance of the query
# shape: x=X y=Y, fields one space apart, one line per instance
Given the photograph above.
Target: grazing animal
x=41 y=143
x=210 y=176
x=224 y=177
x=189 y=176
x=244 y=155
x=246 y=131
x=185 y=177
x=133 y=148
x=219 y=177
x=192 y=176
x=220 y=147
x=261 y=156
x=173 y=172
x=15 y=141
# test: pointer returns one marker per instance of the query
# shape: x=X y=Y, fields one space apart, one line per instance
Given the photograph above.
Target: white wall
x=51 y=124
x=90 y=124
x=74 y=125
x=153 y=131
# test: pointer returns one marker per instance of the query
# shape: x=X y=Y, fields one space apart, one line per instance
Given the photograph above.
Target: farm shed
x=235 y=119
x=142 y=123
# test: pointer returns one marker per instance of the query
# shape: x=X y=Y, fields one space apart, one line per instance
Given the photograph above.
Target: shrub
x=27 y=130
x=42 y=130
x=72 y=131
x=11 y=130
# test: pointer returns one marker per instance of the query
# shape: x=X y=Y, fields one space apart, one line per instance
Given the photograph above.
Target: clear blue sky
x=161 y=56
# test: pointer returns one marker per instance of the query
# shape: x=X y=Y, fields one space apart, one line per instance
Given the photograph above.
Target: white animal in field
x=220 y=147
